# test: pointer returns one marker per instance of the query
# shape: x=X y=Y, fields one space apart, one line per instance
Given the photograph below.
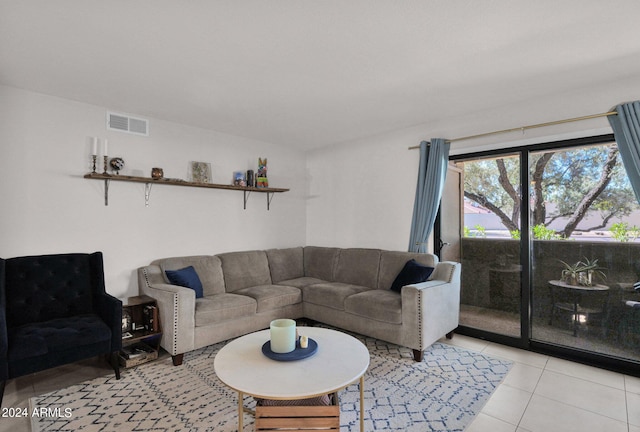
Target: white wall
x=361 y=193
x=47 y=207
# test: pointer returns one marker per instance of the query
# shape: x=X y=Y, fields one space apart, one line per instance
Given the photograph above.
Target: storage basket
x=299 y=418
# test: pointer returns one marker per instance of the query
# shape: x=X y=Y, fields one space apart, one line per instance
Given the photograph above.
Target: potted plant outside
x=582 y=272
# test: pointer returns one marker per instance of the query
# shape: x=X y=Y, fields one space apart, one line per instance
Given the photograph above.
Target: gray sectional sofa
x=345 y=288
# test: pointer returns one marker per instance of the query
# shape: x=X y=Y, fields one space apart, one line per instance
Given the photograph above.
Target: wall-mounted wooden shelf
x=148 y=182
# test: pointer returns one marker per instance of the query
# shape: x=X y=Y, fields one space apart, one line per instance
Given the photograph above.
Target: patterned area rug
x=442 y=393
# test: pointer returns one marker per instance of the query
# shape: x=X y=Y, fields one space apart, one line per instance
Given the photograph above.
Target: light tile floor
x=546 y=394
x=540 y=394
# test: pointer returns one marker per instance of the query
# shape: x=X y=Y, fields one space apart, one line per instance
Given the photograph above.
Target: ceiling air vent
x=125 y=123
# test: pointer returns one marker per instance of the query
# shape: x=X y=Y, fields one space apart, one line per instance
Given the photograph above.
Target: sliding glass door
x=550 y=249
x=490 y=242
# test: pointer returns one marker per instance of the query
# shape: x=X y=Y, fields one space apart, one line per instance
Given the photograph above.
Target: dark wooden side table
x=141 y=331
x=574 y=293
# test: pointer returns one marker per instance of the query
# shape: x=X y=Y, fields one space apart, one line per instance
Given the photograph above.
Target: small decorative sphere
x=116 y=164
x=157 y=173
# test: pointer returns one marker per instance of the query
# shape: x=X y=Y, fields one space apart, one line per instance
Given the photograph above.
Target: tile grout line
x=626 y=403
x=588 y=410
x=533 y=392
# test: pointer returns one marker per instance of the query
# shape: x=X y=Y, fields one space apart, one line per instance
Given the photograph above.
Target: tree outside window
x=574 y=193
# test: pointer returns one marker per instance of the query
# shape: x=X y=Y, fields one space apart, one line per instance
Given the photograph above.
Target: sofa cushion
x=245 y=269
x=218 y=308
x=319 y=262
x=271 y=297
x=411 y=273
x=392 y=262
x=358 y=267
x=379 y=305
x=286 y=264
x=186 y=277
x=208 y=268
x=71 y=333
x=330 y=294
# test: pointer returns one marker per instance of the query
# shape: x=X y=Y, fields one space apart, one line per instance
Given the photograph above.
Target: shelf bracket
x=106 y=191
x=269 y=198
x=246 y=198
x=147 y=193
x=268 y=194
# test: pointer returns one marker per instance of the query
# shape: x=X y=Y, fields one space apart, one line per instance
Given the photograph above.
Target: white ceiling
x=313 y=73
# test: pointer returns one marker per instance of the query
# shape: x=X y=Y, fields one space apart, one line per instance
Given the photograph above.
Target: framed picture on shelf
x=238 y=178
x=200 y=172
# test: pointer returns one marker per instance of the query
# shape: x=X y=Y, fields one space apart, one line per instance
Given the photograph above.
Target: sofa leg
x=417 y=355
x=115 y=364
x=450 y=335
x=177 y=359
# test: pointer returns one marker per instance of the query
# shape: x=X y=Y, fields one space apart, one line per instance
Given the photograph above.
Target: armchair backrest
x=45 y=287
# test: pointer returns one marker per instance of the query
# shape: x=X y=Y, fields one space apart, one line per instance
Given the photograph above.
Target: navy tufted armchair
x=54 y=310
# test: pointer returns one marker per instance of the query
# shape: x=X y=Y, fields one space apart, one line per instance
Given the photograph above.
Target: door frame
x=525 y=340
x=439 y=242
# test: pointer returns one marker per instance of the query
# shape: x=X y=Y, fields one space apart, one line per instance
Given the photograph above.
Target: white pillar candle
x=304 y=341
x=95 y=146
x=106 y=147
x=283 y=335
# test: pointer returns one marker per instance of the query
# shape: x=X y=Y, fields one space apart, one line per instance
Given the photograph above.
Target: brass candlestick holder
x=94 y=159
x=105 y=157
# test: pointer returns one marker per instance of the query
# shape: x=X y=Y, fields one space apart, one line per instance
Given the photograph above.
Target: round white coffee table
x=340 y=361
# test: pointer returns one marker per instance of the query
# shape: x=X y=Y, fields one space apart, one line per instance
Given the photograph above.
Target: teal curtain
x=626 y=128
x=434 y=158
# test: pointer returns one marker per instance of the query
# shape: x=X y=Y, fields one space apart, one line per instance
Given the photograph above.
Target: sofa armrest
x=431 y=309
x=177 y=307
x=447 y=271
x=4 y=346
x=4 y=337
x=109 y=309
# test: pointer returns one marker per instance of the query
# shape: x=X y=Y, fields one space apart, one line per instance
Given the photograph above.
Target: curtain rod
x=523 y=128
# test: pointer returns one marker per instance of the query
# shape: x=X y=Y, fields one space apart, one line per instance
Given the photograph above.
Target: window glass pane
x=491 y=270
x=584 y=223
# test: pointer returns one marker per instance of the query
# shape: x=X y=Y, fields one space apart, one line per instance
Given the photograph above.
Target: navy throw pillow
x=411 y=273
x=186 y=277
